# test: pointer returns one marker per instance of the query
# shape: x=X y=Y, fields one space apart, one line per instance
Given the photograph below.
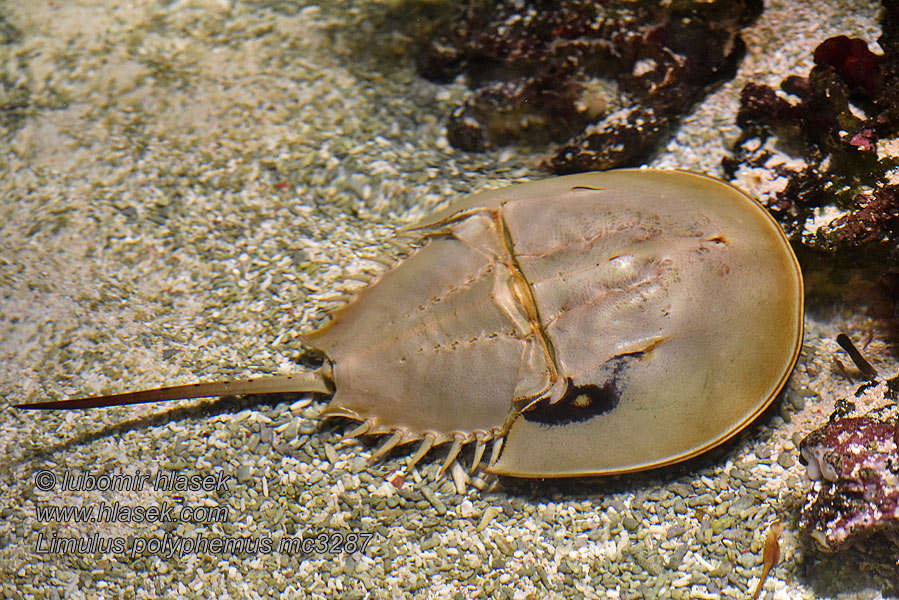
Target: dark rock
x=611 y=77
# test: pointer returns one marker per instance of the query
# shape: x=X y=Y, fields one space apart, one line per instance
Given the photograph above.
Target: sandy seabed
x=183 y=184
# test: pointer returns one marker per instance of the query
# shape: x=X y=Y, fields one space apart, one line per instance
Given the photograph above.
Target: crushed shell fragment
x=589 y=324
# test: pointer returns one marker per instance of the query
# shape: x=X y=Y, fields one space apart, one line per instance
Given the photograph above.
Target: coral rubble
x=610 y=77
x=839 y=127
x=853 y=462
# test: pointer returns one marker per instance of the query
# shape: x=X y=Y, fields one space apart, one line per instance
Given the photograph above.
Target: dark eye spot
x=580 y=403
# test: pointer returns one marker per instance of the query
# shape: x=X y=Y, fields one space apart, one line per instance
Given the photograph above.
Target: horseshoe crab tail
x=313 y=381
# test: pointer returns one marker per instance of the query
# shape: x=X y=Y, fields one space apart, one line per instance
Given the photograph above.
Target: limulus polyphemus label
x=590 y=324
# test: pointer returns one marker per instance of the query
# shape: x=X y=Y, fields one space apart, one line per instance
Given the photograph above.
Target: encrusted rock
x=610 y=77
x=833 y=138
x=853 y=462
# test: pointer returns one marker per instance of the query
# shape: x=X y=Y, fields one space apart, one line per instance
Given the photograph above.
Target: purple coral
x=854 y=463
x=852 y=59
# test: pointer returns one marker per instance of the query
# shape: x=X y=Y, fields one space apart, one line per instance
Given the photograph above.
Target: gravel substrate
x=183 y=185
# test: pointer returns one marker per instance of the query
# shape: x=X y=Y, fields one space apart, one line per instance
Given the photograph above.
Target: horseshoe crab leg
x=387 y=446
x=458 y=440
x=360 y=430
x=478 y=451
x=313 y=381
x=426 y=444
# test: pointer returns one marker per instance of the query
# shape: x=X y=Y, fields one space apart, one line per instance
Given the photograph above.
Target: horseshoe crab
x=590 y=324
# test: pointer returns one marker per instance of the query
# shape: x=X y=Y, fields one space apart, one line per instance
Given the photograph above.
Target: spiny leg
x=426 y=444
x=494 y=454
x=361 y=429
x=387 y=446
x=458 y=440
x=480 y=446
